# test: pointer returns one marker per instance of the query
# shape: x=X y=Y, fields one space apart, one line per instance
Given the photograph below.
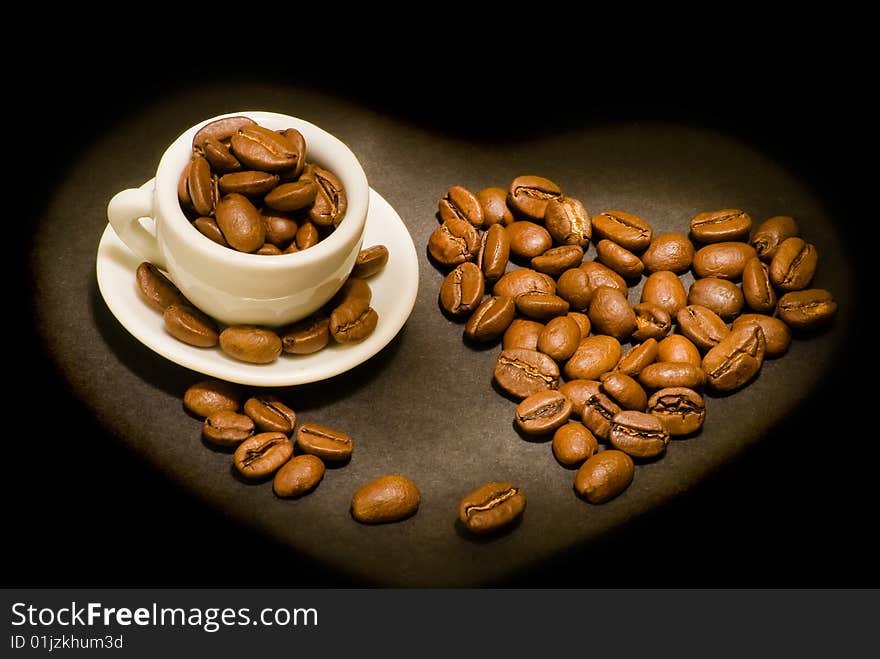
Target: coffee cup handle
x=124 y=211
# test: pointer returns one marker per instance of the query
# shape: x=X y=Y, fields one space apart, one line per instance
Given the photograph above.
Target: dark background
x=798 y=509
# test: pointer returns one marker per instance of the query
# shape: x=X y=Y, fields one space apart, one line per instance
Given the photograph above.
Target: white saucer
x=394 y=294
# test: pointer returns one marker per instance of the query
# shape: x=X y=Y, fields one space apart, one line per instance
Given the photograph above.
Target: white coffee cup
x=234 y=287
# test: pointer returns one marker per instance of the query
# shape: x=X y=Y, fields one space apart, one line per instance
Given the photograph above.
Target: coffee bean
x=582 y=320
x=542 y=412
x=220 y=157
x=330 y=202
x=490 y=319
x=604 y=476
x=298 y=143
x=652 y=322
x=528 y=239
x=597 y=414
x=574 y=287
x=719 y=226
x=280 y=228
x=202 y=186
x=208 y=227
x=771 y=234
x=370 y=261
x=661 y=375
x=186 y=323
x=678 y=348
x=306 y=336
x=292 y=196
x=494 y=252
x=262 y=455
x=619 y=259
x=665 y=290
x=522 y=333
x=268 y=249
x=595 y=355
x=541 y=306
x=573 y=443
x=386 y=499
x=557 y=260
x=638 y=434
x=221 y=130
x=461 y=203
x=638 y=357
x=491 y=508
x=680 y=410
x=702 y=326
x=210 y=396
x=805 y=310
x=306 y=236
x=736 y=359
x=248 y=343
x=453 y=242
x=155 y=288
x=270 y=414
x=241 y=223
x=299 y=476
x=265 y=150
x=529 y=195
x=720 y=295
x=227 y=428
x=493 y=201
x=521 y=372
x=462 y=290
x=353 y=321
x=777 y=335
x=756 y=287
x=522 y=281
x=183 y=188
x=726 y=260
x=353 y=288
x=625 y=229
x=579 y=392
x=610 y=313
x=568 y=221
x=669 y=251
x=623 y=390
x=328 y=444
x=559 y=338
x=601 y=275
x=794 y=265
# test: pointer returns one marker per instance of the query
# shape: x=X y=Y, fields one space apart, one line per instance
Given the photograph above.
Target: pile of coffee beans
x=516 y=272
x=347 y=318
x=251 y=189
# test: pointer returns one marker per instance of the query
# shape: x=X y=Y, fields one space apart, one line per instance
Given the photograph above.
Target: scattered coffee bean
x=227 y=429
x=665 y=290
x=559 y=338
x=582 y=320
x=579 y=392
x=493 y=201
x=490 y=319
x=661 y=375
x=573 y=443
x=461 y=203
x=328 y=444
x=719 y=295
x=806 y=310
x=680 y=410
x=669 y=251
x=604 y=476
x=521 y=372
x=771 y=234
x=726 y=260
x=756 y=287
x=702 y=326
x=794 y=265
x=719 y=226
x=594 y=356
x=527 y=239
x=492 y=507
x=638 y=357
x=386 y=499
x=270 y=414
x=529 y=195
x=678 y=348
x=557 y=260
x=652 y=322
x=262 y=455
x=542 y=412
x=453 y=242
x=638 y=434
x=523 y=333
x=209 y=396
x=620 y=259
x=462 y=290
x=568 y=221
x=610 y=313
x=494 y=252
x=541 y=306
x=522 y=281
x=625 y=229
x=736 y=359
x=777 y=335
x=299 y=476
x=623 y=390
x=598 y=413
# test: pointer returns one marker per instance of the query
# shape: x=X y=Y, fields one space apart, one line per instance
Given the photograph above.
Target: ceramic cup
x=234 y=287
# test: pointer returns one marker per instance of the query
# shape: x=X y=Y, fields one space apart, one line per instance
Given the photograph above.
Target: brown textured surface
x=423 y=407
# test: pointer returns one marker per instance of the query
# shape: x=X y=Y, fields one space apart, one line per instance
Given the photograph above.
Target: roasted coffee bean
x=619 y=259
x=726 y=260
x=306 y=236
x=462 y=290
x=809 y=309
x=771 y=234
x=652 y=322
x=292 y=196
x=669 y=251
x=574 y=287
x=186 y=323
x=521 y=372
x=370 y=261
x=638 y=357
x=528 y=239
x=594 y=356
x=678 y=348
x=665 y=289
x=183 y=188
x=262 y=455
x=208 y=227
x=559 y=338
x=241 y=223
x=522 y=333
x=702 y=325
x=720 y=226
x=270 y=414
x=249 y=343
x=597 y=414
x=579 y=392
x=227 y=428
x=155 y=288
x=604 y=476
x=490 y=319
x=220 y=157
x=461 y=203
x=599 y=274
x=265 y=150
x=280 y=228
x=557 y=260
x=541 y=306
x=794 y=265
x=523 y=280
x=210 y=396
x=638 y=434
x=720 y=295
x=680 y=410
x=777 y=335
x=328 y=444
x=202 y=186
x=494 y=252
x=661 y=375
x=386 y=499
x=306 y=336
x=493 y=201
x=573 y=443
x=529 y=195
x=623 y=390
x=299 y=476
x=625 y=229
x=756 y=287
x=453 y=242
x=492 y=507
x=221 y=130
x=298 y=142
x=353 y=321
x=542 y=412
x=352 y=288
x=330 y=202
x=268 y=249
x=568 y=221
x=610 y=313
x=736 y=359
